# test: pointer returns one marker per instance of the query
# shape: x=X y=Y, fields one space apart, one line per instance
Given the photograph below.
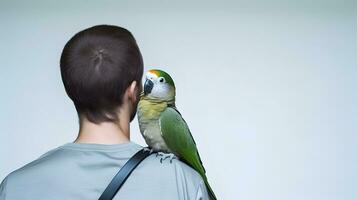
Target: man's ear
x=132 y=91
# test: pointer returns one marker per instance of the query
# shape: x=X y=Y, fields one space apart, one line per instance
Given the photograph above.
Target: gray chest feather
x=152 y=135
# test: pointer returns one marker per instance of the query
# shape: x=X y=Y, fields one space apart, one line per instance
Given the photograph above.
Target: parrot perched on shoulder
x=162 y=125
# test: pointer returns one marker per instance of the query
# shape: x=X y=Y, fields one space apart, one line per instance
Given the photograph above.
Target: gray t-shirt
x=82 y=171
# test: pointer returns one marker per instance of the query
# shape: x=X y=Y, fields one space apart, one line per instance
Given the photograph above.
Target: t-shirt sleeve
x=191 y=185
x=3 y=189
x=202 y=193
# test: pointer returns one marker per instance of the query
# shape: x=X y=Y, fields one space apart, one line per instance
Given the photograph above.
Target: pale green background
x=267 y=88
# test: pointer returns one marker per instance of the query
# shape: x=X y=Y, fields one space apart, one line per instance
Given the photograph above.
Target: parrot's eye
x=161 y=79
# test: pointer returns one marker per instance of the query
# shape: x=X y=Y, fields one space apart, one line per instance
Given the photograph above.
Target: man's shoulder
x=37 y=166
x=159 y=165
x=165 y=178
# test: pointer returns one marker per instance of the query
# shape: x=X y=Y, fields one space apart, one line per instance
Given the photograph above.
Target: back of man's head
x=97 y=65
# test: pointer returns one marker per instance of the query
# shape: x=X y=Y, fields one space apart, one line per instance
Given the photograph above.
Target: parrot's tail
x=197 y=165
x=210 y=191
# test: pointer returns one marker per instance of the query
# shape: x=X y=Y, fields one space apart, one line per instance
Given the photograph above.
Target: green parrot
x=162 y=125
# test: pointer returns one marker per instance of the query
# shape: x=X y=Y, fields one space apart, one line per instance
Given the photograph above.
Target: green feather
x=178 y=138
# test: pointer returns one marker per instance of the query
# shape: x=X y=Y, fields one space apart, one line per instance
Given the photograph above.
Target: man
x=101 y=69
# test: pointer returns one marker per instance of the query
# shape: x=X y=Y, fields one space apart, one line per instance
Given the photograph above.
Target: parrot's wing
x=178 y=138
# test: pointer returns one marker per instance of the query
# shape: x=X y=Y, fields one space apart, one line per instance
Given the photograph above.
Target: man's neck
x=103 y=133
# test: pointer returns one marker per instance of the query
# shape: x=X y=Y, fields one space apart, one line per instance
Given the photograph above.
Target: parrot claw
x=164 y=156
x=148 y=149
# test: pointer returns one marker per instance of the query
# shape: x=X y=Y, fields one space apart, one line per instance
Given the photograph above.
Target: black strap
x=123 y=174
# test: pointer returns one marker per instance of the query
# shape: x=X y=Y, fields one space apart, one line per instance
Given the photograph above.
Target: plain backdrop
x=268 y=88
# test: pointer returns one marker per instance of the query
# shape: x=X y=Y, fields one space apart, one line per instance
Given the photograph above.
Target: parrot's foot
x=148 y=149
x=165 y=156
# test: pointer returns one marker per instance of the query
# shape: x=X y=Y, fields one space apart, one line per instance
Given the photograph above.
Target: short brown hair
x=97 y=65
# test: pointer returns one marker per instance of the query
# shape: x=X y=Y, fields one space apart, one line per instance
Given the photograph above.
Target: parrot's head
x=159 y=85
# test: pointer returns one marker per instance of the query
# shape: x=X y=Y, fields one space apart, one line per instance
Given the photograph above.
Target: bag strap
x=123 y=174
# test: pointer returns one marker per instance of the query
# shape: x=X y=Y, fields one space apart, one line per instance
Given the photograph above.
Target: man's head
x=102 y=68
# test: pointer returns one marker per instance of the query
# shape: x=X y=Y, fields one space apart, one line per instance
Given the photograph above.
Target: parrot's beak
x=148 y=85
